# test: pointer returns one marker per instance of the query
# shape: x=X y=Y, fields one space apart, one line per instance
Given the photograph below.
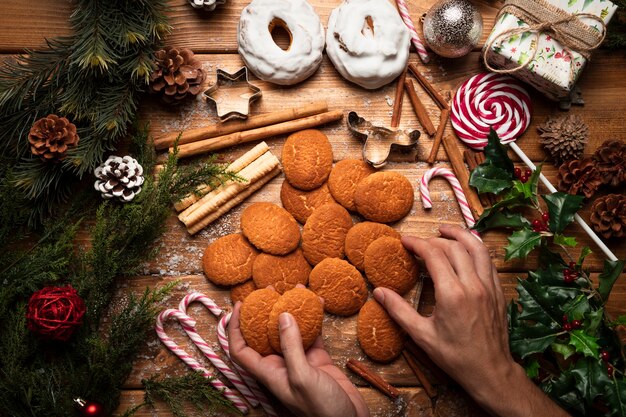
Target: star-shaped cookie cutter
x=225 y=106
x=380 y=141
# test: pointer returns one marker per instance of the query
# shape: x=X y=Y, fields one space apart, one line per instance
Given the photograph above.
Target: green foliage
x=192 y=389
x=565 y=361
x=93 y=77
x=41 y=378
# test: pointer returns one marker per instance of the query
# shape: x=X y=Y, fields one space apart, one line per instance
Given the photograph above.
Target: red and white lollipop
x=490 y=100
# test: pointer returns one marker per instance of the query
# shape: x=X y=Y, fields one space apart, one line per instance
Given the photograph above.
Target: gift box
x=547 y=43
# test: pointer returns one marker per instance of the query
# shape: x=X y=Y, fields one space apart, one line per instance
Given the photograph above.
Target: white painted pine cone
x=119 y=177
x=208 y=5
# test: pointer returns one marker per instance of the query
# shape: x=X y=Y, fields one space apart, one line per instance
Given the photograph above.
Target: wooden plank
x=23 y=25
x=413 y=402
x=339 y=333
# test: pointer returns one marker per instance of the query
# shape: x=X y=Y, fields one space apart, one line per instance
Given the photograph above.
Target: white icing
x=266 y=59
x=368 y=59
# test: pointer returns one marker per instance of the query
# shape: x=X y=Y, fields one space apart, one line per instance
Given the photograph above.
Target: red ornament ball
x=55 y=312
x=89 y=408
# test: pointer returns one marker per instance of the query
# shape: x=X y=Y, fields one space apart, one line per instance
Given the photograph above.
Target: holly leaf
x=562 y=390
x=543 y=303
x=583 y=254
x=564 y=350
x=562 y=207
x=577 y=308
x=620 y=321
x=501 y=219
x=488 y=178
x=564 y=240
x=550 y=258
x=584 y=343
x=595 y=319
x=532 y=369
x=590 y=378
x=521 y=243
x=610 y=273
x=496 y=153
x=526 y=340
x=615 y=395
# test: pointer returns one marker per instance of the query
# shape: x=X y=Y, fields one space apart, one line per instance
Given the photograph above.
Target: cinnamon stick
x=418 y=107
x=237 y=165
x=421 y=377
x=441 y=102
x=397 y=103
x=194 y=135
x=225 y=141
x=443 y=120
x=462 y=174
x=375 y=380
x=233 y=202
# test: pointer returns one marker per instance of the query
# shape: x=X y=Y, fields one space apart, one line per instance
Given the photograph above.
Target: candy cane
x=458 y=193
x=490 y=100
x=188 y=322
x=206 y=349
x=415 y=39
x=223 y=339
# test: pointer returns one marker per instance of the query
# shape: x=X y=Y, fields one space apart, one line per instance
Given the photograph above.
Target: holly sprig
x=558 y=327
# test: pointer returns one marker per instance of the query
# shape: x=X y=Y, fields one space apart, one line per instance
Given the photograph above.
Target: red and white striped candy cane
x=188 y=322
x=415 y=39
x=206 y=349
x=254 y=387
x=458 y=193
x=490 y=100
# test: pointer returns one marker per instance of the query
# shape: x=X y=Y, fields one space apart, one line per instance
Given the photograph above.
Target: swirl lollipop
x=497 y=101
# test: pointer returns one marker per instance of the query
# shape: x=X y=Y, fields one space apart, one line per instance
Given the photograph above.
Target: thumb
x=293 y=352
x=403 y=313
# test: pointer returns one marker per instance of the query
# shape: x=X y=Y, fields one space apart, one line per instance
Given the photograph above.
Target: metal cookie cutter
x=232 y=94
x=379 y=141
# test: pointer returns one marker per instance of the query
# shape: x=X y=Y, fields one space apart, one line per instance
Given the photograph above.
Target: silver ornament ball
x=452 y=28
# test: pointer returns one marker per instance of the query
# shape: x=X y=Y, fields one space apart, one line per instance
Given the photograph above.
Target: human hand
x=306 y=382
x=467 y=334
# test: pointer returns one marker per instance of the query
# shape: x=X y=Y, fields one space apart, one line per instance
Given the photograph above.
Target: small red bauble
x=89 y=408
x=55 y=312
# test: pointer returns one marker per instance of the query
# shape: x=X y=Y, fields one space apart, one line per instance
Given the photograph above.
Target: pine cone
x=579 y=176
x=178 y=74
x=610 y=160
x=51 y=137
x=119 y=177
x=564 y=138
x=608 y=216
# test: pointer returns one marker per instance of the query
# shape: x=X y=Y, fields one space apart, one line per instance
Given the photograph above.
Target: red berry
x=545 y=217
x=536 y=223
x=577 y=324
x=569 y=279
x=605 y=356
x=572 y=265
x=518 y=173
x=524 y=179
x=609 y=370
x=565 y=318
x=567 y=327
x=528 y=173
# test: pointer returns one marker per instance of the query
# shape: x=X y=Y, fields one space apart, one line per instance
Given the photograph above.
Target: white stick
x=578 y=219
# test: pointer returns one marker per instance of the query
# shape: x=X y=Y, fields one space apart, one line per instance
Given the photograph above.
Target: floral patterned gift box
x=538 y=56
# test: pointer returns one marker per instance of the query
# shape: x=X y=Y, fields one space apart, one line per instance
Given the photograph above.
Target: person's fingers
x=317 y=355
x=417 y=326
x=293 y=351
x=437 y=263
x=477 y=250
x=239 y=350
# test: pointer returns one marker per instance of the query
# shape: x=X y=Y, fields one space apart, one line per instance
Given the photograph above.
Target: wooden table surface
x=213 y=37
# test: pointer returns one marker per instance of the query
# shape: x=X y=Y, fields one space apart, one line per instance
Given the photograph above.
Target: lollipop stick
x=578 y=219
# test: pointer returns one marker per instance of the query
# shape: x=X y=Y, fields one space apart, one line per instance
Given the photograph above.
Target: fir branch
x=189 y=389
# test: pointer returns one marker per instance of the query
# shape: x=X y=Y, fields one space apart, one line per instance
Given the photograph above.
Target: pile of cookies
x=271 y=250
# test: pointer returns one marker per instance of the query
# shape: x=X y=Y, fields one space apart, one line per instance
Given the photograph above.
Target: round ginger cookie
x=270 y=228
x=240 y=291
x=302 y=203
x=341 y=286
x=306 y=308
x=228 y=260
x=380 y=337
x=307 y=159
x=384 y=197
x=344 y=178
x=361 y=235
x=282 y=272
x=324 y=233
x=254 y=318
x=388 y=264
